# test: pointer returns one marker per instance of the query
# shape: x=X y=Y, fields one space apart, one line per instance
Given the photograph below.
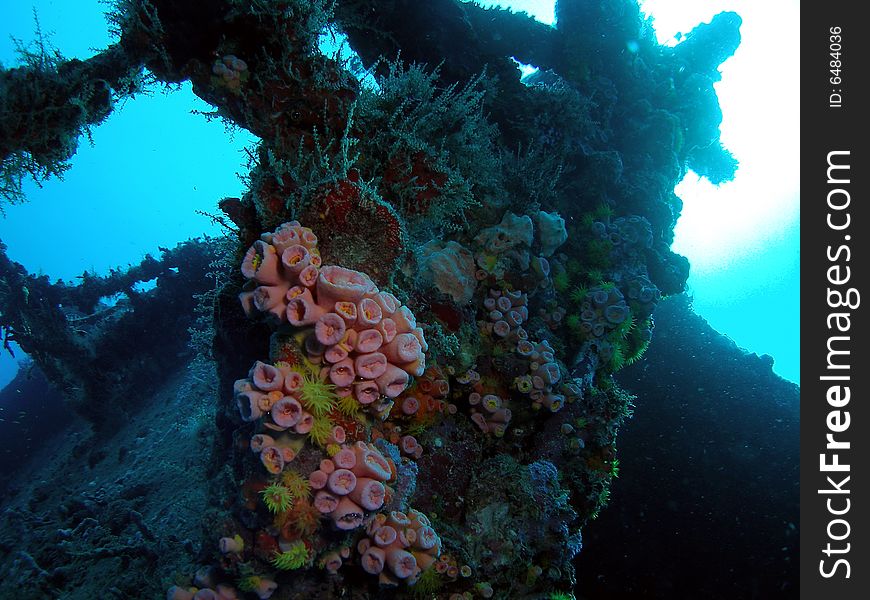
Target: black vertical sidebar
x=835 y=299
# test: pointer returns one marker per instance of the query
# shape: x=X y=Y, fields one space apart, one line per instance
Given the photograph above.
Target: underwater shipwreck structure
x=435 y=271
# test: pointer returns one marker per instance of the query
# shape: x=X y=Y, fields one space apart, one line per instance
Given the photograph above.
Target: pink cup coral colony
x=366 y=343
x=399 y=546
x=350 y=369
x=360 y=347
x=506 y=313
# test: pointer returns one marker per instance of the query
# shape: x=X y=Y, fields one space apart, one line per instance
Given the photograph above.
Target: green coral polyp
x=578 y=294
x=618 y=359
x=277 y=498
x=320 y=431
x=317 y=396
x=573 y=322
x=602 y=212
x=637 y=354
x=295 y=483
x=561 y=281
x=622 y=331
x=428 y=585
x=295 y=557
x=348 y=406
x=249 y=584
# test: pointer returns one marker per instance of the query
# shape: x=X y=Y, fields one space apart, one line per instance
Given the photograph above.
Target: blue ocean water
x=154 y=164
x=742 y=238
x=151 y=166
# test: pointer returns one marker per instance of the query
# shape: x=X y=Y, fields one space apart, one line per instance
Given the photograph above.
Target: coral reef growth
x=48 y=102
x=439 y=266
x=80 y=334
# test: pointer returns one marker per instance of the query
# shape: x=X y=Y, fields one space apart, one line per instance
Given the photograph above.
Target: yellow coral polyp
x=317 y=395
x=348 y=406
x=320 y=431
x=294 y=558
x=250 y=583
x=277 y=498
x=296 y=483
